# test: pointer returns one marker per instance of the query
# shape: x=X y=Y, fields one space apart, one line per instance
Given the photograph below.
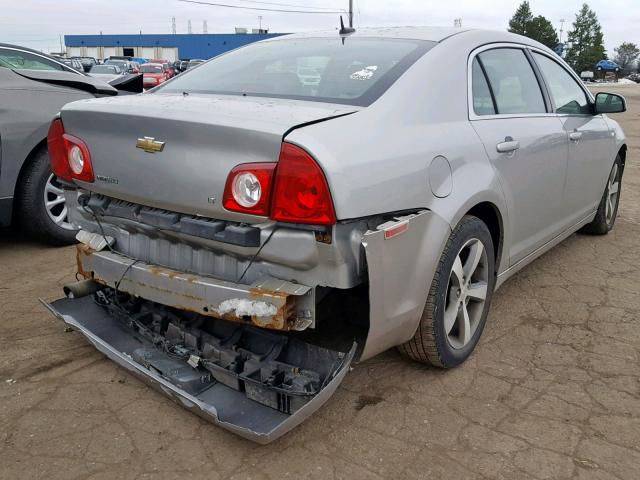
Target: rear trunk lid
x=198 y=139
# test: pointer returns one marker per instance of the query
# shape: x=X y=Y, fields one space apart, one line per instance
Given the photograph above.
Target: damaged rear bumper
x=267 y=303
x=250 y=408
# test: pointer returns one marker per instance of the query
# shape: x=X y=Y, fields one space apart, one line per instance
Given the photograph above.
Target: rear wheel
x=459 y=298
x=608 y=209
x=42 y=210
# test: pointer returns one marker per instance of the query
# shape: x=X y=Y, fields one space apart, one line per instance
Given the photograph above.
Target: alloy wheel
x=55 y=204
x=611 y=195
x=466 y=293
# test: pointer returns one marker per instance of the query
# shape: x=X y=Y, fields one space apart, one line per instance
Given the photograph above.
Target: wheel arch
x=490 y=214
x=41 y=145
x=623 y=154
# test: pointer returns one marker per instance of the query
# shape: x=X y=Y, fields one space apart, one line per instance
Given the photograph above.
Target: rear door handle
x=509 y=145
x=575 y=136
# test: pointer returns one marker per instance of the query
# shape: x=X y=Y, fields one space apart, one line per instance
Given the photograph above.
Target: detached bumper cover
x=224 y=406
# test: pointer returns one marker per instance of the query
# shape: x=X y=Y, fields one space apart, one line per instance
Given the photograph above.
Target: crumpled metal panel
x=268 y=303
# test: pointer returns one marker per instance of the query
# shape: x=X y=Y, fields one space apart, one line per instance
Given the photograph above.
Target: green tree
x=520 y=20
x=586 y=46
x=541 y=29
x=626 y=55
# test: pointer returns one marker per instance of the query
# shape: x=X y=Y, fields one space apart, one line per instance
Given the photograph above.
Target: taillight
x=300 y=190
x=301 y=193
x=70 y=158
x=248 y=188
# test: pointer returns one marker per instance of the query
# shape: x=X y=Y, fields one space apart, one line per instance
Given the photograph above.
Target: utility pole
x=61 y=44
x=189 y=27
x=173 y=25
x=350 y=13
x=561 y=29
x=204 y=26
x=260 y=23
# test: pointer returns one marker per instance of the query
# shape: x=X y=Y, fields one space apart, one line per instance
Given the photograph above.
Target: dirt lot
x=552 y=391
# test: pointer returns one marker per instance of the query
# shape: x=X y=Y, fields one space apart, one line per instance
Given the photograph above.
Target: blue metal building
x=166 y=46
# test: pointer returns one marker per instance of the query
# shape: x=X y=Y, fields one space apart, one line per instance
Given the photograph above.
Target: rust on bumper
x=267 y=303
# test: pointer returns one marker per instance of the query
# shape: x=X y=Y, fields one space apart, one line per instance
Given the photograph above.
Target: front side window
x=514 y=85
x=355 y=72
x=17 y=59
x=567 y=94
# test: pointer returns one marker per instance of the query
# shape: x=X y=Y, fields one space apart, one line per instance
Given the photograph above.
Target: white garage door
x=109 y=51
x=92 y=52
x=74 y=51
x=170 y=54
x=147 y=52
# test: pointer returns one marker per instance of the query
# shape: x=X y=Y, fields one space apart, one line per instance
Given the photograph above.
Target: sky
x=39 y=23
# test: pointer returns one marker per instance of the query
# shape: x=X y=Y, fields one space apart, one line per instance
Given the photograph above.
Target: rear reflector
x=395 y=230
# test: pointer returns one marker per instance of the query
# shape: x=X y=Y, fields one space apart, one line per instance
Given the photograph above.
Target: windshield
x=150 y=68
x=318 y=69
x=111 y=69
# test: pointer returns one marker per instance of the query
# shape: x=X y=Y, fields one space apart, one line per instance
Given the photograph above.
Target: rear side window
x=567 y=94
x=19 y=60
x=514 y=85
x=482 y=101
x=355 y=72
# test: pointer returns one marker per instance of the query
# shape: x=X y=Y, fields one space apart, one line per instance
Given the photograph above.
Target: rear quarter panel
x=377 y=160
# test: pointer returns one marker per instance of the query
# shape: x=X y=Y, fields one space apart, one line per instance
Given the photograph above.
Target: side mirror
x=610 y=103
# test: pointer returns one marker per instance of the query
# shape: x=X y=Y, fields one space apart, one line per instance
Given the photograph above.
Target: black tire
x=431 y=344
x=600 y=224
x=31 y=212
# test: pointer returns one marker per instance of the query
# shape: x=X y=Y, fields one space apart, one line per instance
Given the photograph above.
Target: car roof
x=433 y=34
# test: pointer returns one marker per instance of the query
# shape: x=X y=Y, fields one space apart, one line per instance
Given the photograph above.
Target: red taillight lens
x=248 y=188
x=70 y=158
x=301 y=193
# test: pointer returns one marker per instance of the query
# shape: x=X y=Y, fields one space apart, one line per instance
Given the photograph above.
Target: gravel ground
x=552 y=391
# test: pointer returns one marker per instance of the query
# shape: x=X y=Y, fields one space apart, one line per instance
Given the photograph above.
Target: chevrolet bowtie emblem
x=150 y=145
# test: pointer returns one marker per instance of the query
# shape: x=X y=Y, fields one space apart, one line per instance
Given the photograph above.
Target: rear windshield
x=151 y=69
x=355 y=72
x=112 y=69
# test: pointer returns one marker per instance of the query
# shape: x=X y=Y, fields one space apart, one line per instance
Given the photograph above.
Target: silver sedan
x=248 y=231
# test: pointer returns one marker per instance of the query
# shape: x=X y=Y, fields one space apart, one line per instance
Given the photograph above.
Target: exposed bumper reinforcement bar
x=268 y=303
x=225 y=406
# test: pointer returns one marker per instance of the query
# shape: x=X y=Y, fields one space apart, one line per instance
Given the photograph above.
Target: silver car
x=246 y=235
